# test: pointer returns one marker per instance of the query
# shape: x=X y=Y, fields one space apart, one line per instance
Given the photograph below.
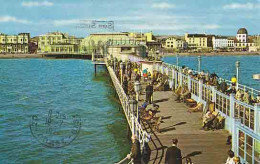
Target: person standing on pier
x=230 y=159
x=135 y=151
x=173 y=154
x=125 y=85
x=234 y=80
x=149 y=93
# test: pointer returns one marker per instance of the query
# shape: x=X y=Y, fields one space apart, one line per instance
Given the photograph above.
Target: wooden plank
x=185 y=126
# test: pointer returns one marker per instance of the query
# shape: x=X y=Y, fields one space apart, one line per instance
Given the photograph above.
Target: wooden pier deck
x=185 y=126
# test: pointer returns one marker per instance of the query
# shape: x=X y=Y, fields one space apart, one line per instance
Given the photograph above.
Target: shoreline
x=35 y=56
x=22 y=56
x=17 y=56
x=214 y=54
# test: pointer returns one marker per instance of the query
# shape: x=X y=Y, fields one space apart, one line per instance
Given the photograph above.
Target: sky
x=162 y=17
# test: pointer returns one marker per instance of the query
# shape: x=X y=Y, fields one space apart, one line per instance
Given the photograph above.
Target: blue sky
x=174 y=17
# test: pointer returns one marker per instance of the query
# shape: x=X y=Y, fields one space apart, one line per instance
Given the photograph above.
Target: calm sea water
x=35 y=86
x=224 y=66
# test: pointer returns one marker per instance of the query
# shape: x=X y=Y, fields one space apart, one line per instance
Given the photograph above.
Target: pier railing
x=241 y=119
x=130 y=110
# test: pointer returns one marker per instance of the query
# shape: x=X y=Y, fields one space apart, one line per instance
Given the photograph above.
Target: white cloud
x=242 y=6
x=163 y=5
x=66 y=22
x=13 y=19
x=170 y=26
x=36 y=4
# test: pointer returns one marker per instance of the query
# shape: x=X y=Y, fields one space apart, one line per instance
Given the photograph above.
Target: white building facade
x=219 y=42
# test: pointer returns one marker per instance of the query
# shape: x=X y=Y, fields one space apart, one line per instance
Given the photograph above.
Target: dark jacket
x=173 y=155
x=136 y=152
x=149 y=89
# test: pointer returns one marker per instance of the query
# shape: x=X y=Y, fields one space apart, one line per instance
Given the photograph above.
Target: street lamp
x=237 y=66
x=121 y=68
x=134 y=108
x=137 y=88
x=115 y=63
x=199 y=63
x=177 y=60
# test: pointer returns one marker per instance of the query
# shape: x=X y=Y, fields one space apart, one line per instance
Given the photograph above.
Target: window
x=257 y=151
x=241 y=144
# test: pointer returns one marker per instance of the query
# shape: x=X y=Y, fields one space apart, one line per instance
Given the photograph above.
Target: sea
x=34 y=87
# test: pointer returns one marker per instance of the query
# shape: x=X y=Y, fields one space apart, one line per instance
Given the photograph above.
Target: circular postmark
x=55 y=129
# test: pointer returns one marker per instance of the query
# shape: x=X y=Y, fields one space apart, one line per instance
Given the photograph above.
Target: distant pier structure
x=97 y=59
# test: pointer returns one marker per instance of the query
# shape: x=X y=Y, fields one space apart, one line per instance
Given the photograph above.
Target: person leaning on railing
x=135 y=151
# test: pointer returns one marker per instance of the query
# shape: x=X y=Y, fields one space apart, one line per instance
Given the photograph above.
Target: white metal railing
x=245 y=113
x=132 y=120
x=130 y=116
x=222 y=103
x=207 y=93
x=253 y=92
x=243 y=118
x=195 y=87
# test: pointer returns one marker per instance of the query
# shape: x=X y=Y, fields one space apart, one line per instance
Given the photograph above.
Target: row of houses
x=203 y=42
x=58 y=42
x=14 y=43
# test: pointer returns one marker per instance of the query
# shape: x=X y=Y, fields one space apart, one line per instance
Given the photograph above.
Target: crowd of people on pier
x=222 y=86
x=130 y=72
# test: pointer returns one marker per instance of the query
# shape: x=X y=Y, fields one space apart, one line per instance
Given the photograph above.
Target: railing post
x=173 y=78
x=231 y=123
x=200 y=90
x=167 y=70
x=232 y=105
x=235 y=135
x=176 y=79
x=133 y=124
x=256 y=118
x=189 y=83
x=213 y=89
x=180 y=77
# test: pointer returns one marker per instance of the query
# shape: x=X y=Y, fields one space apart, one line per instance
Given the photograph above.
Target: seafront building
x=197 y=42
x=175 y=43
x=14 y=43
x=58 y=43
x=97 y=41
x=122 y=50
x=219 y=42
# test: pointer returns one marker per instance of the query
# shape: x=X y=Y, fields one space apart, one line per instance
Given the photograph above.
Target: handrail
x=132 y=120
x=123 y=161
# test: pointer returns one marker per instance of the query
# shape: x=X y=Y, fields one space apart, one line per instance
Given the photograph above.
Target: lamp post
x=115 y=62
x=199 y=63
x=134 y=108
x=121 y=68
x=177 y=60
x=237 y=67
x=137 y=88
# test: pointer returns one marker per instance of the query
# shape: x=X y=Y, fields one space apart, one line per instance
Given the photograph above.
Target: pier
x=241 y=119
